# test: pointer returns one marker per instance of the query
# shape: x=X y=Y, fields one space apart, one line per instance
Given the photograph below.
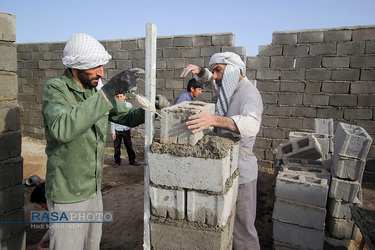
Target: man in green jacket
x=76 y=113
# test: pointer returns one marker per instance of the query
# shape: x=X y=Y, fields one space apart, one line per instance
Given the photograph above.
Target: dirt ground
x=124 y=196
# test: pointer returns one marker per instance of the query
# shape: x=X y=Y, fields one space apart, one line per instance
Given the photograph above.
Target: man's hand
x=124 y=81
x=204 y=120
x=132 y=133
x=114 y=136
x=194 y=69
x=200 y=121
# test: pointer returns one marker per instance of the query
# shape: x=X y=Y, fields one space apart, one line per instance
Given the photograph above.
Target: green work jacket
x=75 y=121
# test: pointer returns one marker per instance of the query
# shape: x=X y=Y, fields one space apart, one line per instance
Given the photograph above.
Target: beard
x=86 y=80
x=218 y=81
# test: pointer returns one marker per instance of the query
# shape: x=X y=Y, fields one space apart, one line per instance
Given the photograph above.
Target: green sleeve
x=121 y=114
x=68 y=119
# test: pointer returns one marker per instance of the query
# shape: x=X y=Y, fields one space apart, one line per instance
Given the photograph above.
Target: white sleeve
x=112 y=128
x=248 y=125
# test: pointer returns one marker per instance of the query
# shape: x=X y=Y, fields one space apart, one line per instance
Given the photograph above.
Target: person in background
x=239 y=111
x=39 y=196
x=194 y=89
x=76 y=111
x=120 y=132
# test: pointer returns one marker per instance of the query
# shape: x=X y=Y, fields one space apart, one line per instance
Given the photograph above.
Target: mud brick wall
x=12 y=236
x=302 y=75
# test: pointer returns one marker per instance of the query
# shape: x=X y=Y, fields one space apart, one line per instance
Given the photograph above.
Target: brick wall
x=12 y=236
x=308 y=74
x=302 y=75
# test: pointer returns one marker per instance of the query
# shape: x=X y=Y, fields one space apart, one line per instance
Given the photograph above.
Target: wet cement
x=211 y=146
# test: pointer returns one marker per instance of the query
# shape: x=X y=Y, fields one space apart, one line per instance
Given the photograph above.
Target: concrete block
x=308 y=62
x=335 y=62
x=306 y=147
x=189 y=172
x=300 y=188
x=11 y=145
x=315 y=171
x=299 y=214
x=13 y=197
x=194 y=167
x=338 y=35
x=323 y=49
x=184 y=235
x=16 y=242
x=223 y=39
x=212 y=209
x=347 y=168
x=346 y=75
x=324 y=126
x=352 y=141
x=7 y=27
x=267 y=74
x=351 y=48
x=344 y=190
x=270 y=50
x=284 y=38
x=11 y=172
x=341 y=209
x=313 y=99
x=295 y=50
x=8 y=86
x=8 y=60
x=173 y=127
x=9 y=230
x=303 y=162
x=310 y=37
x=199 y=41
x=11 y=119
x=324 y=140
x=281 y=62
x=256 y=62
x=183 y=41
x=340 y=228
x=307 y=238
x=168 y=203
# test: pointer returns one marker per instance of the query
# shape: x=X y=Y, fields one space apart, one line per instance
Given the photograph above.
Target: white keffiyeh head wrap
x=234 y=67
x=84 y=52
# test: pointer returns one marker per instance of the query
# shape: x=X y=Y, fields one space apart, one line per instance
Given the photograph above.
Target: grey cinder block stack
x=301 y=191
x=194 y=184
x=352 y=144
x=313 y=194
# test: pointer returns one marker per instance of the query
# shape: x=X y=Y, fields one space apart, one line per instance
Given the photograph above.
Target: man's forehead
x=218 y=65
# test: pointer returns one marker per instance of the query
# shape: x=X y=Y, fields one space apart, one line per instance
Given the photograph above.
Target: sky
x=252 y=22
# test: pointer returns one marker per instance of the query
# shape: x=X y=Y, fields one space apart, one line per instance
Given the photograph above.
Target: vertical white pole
x=150 y=91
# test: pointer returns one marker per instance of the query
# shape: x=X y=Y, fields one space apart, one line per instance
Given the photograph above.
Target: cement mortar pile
x=212 y=146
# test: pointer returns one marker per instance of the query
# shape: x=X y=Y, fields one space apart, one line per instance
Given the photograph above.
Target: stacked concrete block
x=323 y=140
x=325 y=126
x=306 y=147
x=300 y=207
x=193 y=188
x=12 y=235
x=352 y=143
x=173 y=121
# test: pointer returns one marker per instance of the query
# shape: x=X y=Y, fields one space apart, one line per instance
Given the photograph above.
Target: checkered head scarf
x=84 y=52
x=234 y=67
